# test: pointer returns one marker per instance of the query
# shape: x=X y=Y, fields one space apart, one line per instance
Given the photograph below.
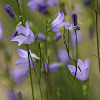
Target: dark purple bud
x=13 y=34
x=10 y=11
x=74 y=19
x=42 y=8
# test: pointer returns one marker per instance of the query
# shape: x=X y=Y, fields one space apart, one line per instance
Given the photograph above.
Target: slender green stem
x=76 y=64
x=30 y=72
x=40 y=58
x=21 y=19
x=76 y=52
x=46 y=87
x=37 y=78
x=97 y=36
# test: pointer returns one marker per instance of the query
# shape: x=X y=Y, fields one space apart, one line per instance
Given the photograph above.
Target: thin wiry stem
x=37 y=78
x=96 y=12
x=30 y=72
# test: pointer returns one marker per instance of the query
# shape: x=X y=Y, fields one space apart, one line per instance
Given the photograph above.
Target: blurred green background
x=61 y=79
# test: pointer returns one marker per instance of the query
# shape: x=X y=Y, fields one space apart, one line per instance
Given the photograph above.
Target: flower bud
x=10 y=11
x=74 y=19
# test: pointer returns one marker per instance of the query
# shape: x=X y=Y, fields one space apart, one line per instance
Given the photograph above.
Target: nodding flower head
x=25 y=36
x=10 y=11
x=74 y=19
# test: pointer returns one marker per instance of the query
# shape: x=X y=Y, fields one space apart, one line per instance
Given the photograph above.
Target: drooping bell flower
x=26 y=36
x=82 y=69
x=10 y=11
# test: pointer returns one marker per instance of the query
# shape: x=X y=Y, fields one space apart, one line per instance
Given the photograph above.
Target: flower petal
x=87 y=62
x=80 y=65
x=83 y=75
x=58 y=36
x=23 y=53
x=57 y=28
x=58 y=20
x=72 y=69
x=27 y=25
x=22 y=62
x=21 y=29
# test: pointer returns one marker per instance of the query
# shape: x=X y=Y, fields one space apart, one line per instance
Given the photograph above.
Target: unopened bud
x=10 y=11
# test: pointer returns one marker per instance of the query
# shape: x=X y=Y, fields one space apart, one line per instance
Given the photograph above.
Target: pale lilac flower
x=40 y=5
x=1 y=32
x=52 y=67
x=82 y=69
x=10 y=11
x=53 y=2
x=19 y=74
x=23 y=61
x=41 y=36
x=63 y=56
x=57 y=23
x=26 y=36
